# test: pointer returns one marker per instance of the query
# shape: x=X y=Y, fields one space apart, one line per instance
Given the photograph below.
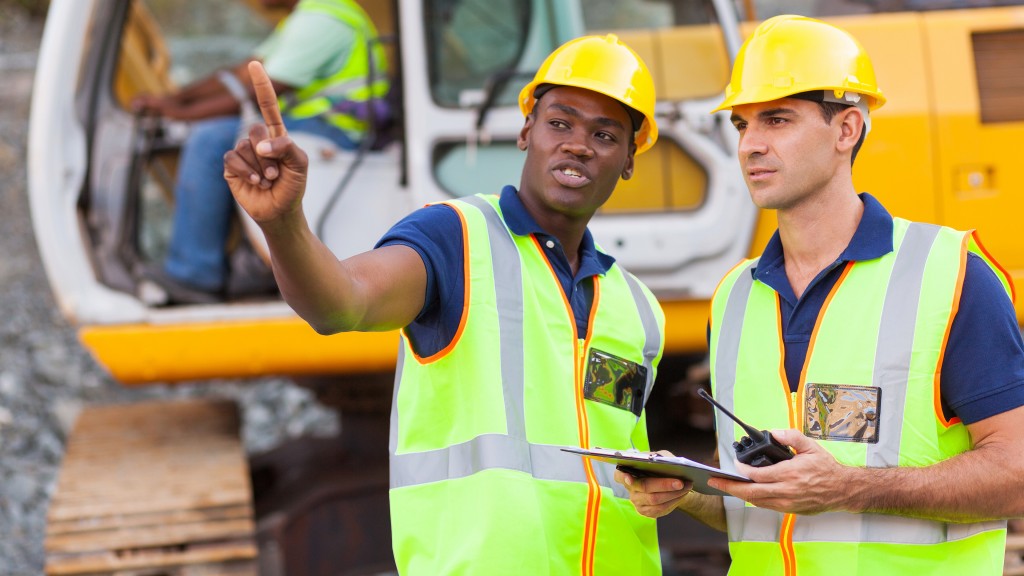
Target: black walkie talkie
x=758 y=448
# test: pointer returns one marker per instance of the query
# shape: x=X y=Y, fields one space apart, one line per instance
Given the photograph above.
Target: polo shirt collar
x=521 y=223
x=872 y=239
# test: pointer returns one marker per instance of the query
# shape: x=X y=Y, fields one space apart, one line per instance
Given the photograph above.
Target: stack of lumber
x=153 y=488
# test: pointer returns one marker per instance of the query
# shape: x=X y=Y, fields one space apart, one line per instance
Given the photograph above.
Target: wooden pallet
x=153 y=486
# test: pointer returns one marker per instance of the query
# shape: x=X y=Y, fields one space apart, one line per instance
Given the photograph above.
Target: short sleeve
x=983 y=367
x=435 y=233
x=307 y=46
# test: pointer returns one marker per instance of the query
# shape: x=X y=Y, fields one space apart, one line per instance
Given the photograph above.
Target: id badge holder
x=842 y=413
x=615 y=381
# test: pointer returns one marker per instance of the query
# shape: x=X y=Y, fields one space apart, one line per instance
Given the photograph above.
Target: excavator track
x=153 y=488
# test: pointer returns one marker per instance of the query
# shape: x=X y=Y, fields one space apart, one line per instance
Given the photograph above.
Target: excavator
x=166 y=488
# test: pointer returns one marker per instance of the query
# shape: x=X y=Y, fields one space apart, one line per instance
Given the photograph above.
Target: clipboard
x=642 y=464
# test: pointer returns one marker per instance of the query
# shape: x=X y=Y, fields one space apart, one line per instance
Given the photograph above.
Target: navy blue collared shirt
x=983 y=367
x=435 y=232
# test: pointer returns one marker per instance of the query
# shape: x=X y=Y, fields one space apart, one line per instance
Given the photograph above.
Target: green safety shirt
x=329 y=61
x=479 y=483
x=868 y=393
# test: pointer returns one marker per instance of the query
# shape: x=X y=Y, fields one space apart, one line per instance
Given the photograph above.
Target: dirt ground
x=46 y=377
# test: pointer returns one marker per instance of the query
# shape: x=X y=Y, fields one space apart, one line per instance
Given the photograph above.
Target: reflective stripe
x=725 y=362
x=485 y=452
x=752 y=524
x=354 y=89
x=738 y=515
x=896 y=340
x=652 y=335
x=762 y=525
x=543 y=462
x=508 y=287
x=883 y=528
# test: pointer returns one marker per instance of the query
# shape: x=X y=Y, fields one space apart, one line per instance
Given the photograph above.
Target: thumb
x=795 y=440
x=281 y=148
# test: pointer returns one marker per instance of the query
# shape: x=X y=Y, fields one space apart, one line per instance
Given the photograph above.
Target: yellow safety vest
x=479 y=483
x=352 y=82
x=878 y=340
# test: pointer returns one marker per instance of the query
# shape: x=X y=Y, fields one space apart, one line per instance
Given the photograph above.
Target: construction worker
x=885 y=353
x=319 y=60
x=516 y=330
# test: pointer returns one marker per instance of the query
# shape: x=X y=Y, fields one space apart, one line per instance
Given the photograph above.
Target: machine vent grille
x=999 y=61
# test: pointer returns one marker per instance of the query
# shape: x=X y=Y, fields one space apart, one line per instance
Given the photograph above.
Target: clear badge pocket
x=615 y=381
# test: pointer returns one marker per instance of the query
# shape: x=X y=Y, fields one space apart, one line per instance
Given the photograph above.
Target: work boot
x=158 y=288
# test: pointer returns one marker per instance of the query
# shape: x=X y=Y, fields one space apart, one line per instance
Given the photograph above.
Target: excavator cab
x=102 y=175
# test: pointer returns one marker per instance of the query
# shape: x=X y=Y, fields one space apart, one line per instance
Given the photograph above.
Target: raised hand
x=267 y=171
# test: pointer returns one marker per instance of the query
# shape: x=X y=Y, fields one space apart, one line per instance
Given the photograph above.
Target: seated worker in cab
x=317 y=60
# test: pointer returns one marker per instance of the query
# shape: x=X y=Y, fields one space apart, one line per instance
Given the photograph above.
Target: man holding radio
x=885 y=353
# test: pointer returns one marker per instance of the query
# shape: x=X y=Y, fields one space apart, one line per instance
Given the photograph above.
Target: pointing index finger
x=266 y=97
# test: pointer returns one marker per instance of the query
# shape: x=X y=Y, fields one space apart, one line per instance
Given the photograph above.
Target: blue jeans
x=204 y=206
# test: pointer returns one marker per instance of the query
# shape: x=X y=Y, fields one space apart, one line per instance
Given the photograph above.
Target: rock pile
x=45 y=374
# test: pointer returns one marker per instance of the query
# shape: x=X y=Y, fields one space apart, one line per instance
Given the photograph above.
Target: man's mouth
x=758 y=174
x=571 y=176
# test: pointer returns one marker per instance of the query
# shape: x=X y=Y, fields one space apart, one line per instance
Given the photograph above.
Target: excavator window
x=469 y=42
x=166 y=44
x=169 y=43
x=481 y=54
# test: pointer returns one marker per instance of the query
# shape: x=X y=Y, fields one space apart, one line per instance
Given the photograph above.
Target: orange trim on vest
x=994 y=262
x=789 y=520
x=782 y=357
x=817 y=325
x=937 y=379
x=582 y=423
x=465 y=296
x=786 y=543
x=594 y=493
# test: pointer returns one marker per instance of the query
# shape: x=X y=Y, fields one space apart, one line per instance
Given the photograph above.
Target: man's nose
x=751 y=142
x=576 y=145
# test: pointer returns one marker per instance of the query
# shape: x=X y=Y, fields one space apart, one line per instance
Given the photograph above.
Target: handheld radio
x=758 y=448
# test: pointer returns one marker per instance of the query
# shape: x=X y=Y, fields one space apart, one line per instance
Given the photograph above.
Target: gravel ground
x=45 y=375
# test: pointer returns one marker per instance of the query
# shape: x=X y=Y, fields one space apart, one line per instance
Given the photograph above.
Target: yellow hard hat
x=787 y=55
x=605 y=65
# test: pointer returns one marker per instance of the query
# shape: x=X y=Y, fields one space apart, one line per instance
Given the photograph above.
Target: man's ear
x=851 y=124
x=627 y=168
x=524 y=133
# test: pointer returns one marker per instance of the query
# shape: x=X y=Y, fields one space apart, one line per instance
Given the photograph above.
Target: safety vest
x=352 y=83
x=874 y=357
x=479 y=483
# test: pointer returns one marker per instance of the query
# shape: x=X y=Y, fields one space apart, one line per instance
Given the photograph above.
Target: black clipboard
x=652 y=464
